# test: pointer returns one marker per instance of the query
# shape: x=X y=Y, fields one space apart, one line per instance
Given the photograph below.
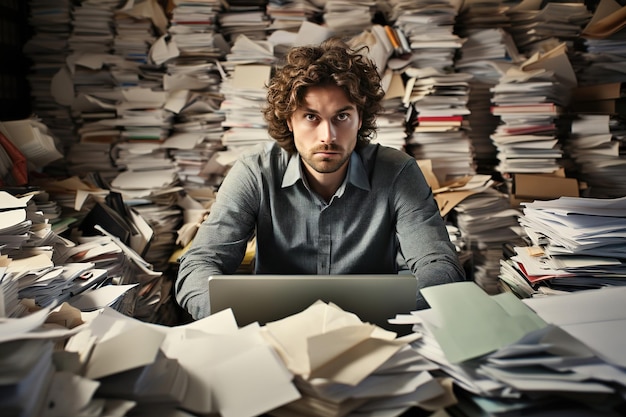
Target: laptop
x=266 y=298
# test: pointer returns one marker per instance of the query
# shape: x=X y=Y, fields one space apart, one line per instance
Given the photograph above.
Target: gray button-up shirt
x=381 y=220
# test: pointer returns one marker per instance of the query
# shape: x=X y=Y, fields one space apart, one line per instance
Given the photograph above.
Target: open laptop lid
x=266 y=298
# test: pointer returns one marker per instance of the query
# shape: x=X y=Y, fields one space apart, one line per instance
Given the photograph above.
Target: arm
x=220 y=243
x=424 y=240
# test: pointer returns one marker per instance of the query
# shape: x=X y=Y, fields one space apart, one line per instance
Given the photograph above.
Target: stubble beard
x=325 y=165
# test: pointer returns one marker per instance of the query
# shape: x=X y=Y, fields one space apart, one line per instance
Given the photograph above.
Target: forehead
x=323 y=97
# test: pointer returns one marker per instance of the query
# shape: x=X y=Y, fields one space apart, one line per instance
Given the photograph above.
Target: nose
x=328 y=133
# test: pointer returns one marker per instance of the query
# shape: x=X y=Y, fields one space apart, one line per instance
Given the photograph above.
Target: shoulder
x=393 y=155
x=380 y=156
x=252 y=167
x=260 y=151
x=263 y=156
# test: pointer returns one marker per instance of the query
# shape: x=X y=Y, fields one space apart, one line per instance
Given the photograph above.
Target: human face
x=325 y=130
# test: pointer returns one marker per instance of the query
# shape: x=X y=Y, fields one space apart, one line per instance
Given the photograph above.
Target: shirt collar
x=292 y=173
x=357 y=175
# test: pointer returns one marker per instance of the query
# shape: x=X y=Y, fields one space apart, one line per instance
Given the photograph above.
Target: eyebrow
x=341 y=110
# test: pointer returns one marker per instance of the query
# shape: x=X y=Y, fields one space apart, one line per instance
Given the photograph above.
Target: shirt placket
x=324 y=242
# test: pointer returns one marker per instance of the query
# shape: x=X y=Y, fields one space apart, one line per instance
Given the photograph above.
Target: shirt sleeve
x=221 y=240
x=424 y=240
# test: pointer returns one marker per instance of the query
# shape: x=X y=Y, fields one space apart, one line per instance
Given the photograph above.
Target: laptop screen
x=266 y=298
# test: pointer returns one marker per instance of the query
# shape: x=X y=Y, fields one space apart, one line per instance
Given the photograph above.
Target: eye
x=310 y=117
x=343 y=117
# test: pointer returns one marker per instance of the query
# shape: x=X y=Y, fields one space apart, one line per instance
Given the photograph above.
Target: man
x=322 y=199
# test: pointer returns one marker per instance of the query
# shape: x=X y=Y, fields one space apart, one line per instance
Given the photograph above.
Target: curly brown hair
x=333 y=62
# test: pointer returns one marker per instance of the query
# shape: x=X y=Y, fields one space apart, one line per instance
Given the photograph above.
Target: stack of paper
x=486 y=221
x=437 y=94
x=107 y=115
x=114 y=95
x=34 y=140
x=448 y=165
x=109 y=296
x=486 y=54
x=482 y=45
x=101 y=251
x=244 y=17
x=289 y=15
x=14 y=223
x=308 y=33
x=573 y=225
x=45 y=214
x=193 y=29
x=198 y=14
x=142 y=184
x=436 y=126
x=482 y=123
x=276 y=369
x=576 y=243
x=481 y=15
x=134 y=35
x=342 y=365
x=58 y=283
x=48 y=49
x=11 y=305
x=529 y=100
x=429 y=29
x=88 y=280
x=26 y=271
x=48 y=222
x=536 y=26
x=73 y=196
x=92 y=26
x=348 y=18
x=391 y=122
x=145 y=124
x=525 y=357
x=594 y=147
x=195 y=154
x=28 y=246
x=164 y=218
x=232 y=371
x=244 y=96
x=27 y=373
x=90 y=110
x=194 y=80
x=132 y=286
x=157 y=171
x=94 y=346
x=249 y=51
x=391 y=125
x=243 y=90
x=33 y=382
x=195 y=77
x=603 y=45
x=138 y=156
x=193 y=43
x=158 y=384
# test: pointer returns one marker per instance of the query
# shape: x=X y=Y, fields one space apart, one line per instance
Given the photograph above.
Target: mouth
x=326 y=154
x=327 y=150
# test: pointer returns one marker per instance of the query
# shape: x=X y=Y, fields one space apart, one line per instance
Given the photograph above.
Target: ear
x=289 y=125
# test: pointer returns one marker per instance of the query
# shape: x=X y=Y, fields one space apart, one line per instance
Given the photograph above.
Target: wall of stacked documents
x=136 y=110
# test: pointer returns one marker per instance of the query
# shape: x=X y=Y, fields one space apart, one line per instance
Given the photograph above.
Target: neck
x=325 y=184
